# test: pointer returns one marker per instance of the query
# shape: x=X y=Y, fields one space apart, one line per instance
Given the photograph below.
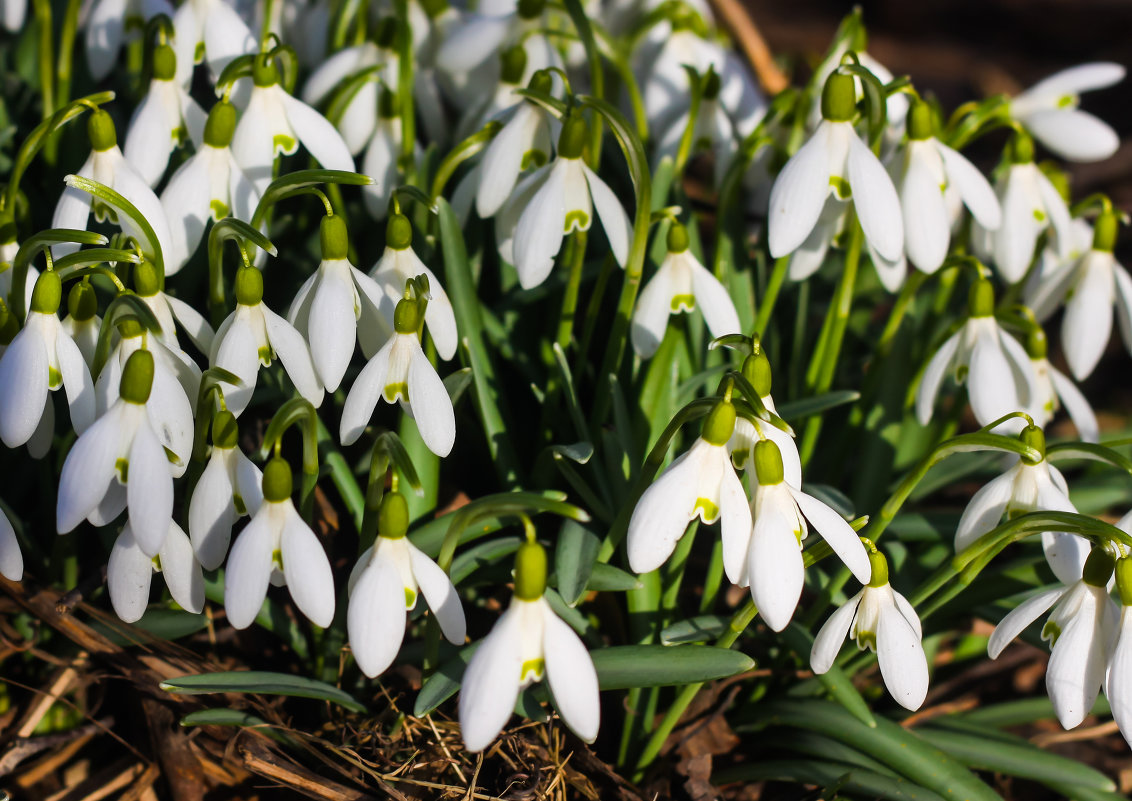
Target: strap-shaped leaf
x=132 y=221
x=263 y=682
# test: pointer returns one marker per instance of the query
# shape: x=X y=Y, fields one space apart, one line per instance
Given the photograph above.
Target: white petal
x=292 y=350
x=186 y=204
x=878 y=207
x=990 y=386
x=195 y=326
x=1014 y=241
x=41 y=441
x=129 y=574
x=774 y=565
x=76 y=381
x=212 y=513
x=1119 y=683
x=472 y=44
x=432 y=408
x=133 y=188
x=1074 y=80
x=837 y=533
x=150 y=140
x=832 y=636
x=332 y=329
x=105 y=29
x=1073 y=134
x=909 y=613
x=171 y=415
x=1087 y=324
x=253 y=143
x=363 y=396
x=318 y=136
x=249 y=571
x=440 y=594
x=380 y=164
x=1076 y=666
x=1019 y=618
x=89 y=469
x=490 y=685
x=799 y=193
x=902 y=662
x=714 y=302
x=1080 y=412
x=309 y=579
x=181 y=570
x=654 y=305
x=226 y=36
x=189 y=33
x=572 y=678
x=808 y=258
x=973 y=187
x=614 y=221
x=23 y=386
x=1124 y=303
x=507 y=219
x=149 y=491
x=663 y=511
x=540 y=230
x=11 y=558
x=375 y=618
x=735 y=524
x=985 y=509
x=73 y=208
x=1058 y=213
x=249 y=483
x=927 y=229
x=503 y=160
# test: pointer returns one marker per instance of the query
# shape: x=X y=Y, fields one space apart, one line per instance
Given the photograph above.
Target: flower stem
x=770 y=297
x=46 y=60
x=575 y=259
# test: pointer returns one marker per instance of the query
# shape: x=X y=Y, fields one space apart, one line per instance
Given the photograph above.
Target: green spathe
x=137 y=377
x=530 y=571
x=878 y=567
x=277 y=480
x=393 y=517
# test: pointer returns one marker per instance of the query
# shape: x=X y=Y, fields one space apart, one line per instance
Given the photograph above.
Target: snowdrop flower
x=277 y=547
x=382 y=154
x=8 y=250
x=336 y=306
x=1118 y=689
x=109 y=167
x=398 y=264
x=275 y=123
x=926 y=171
x=130 y=573
x=700 y=483
x=82 y=322
x=41 y=359
x=385 y=585
x=1030 y=205
x=1028 y=486
x=522 y=143
x=401 y=371
x=882 y=620
x=712 y=131
x=512 y=69
x=212 y=29
x=112 y=23
x=896 y=104
x=12 y=14
x=1056 y=390
x=360 y=114
x=756 y=369
x=769 y=557
x=229 y=488
x=835 y=160
x=529 y=642
x=679 y=283
x=993 y=364
x=162 y=121
x=556 y=200
x=119 y=463
x=1080 y=630
x=1049 y=110
x=209 y=184
x=170 y=312
x=251 y=337
x=11 y=557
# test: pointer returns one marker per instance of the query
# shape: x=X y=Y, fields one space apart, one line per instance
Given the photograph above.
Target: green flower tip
x=1098 y=567
x=147 y=279
x=100 y=128
x=980 y=299
x=82 y=303
x=1105 y=232
x=720 y=424
x=277 y=480
x=756 y=369
x=677 y=238
x=48 y=293
x=137 y=377
x=839 y=98
x=530 y=571
x=164 y=63
x=711 y=85
x=398 y=232
x=572 y=140
x=921 y=120
x=333 y=238
x=1037 y=346
x=225 y=430
x=221 y=125
x=406 y=317
x=1035 y=438
x=1020 y=149
x=531 y=9
x=878 y=567
x=393 y=517
x=514 y=64
x=264 y=72
x=1124 y=580
x=249 y=286
x=540 y=82
x=768 y=463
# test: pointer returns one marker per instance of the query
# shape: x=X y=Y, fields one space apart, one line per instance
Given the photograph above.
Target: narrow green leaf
x=1028 y=710
x=574 y=558
x=263 y=682
x=695 y=629
x=132 y=221
x=818 y=404
x=163 y=624
x=835 y=681
x=430 y=536
x=1097 y=452
x=620 y=667
x=607 y=578
x=444 y=683
x=482 y=555
x=234 y=717
x=288 y=184
x=832 y=776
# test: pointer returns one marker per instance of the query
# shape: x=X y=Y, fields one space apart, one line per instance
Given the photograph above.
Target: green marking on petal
x=1051 y=631
x=682 y=303
x=238 y=502
x=394 y=391
x=961 y=373
x=1039 y=215
x=1066 y=101
x=739 y=457
x=172 y=457
x=942 y=188
x=867 y=639
x=219 y=210
x=266 y=355
x=532 y=667
x=707 y=510
x=180 y=135
x=284 y=143
x=410 y=598
x=122 y=467
x=156 y=563
x=277 y=559
x=841 y=187
x=532 y=159
x=576 y=220
x=198 y=52
x=703 y=143
x=54 y=378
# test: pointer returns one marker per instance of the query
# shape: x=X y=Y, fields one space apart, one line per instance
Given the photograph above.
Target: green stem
x=770 y=297
x=575 y=259
x=899 y=309
x=45 y=55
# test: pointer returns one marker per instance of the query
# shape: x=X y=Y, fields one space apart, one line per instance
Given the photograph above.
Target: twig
x=754 y=46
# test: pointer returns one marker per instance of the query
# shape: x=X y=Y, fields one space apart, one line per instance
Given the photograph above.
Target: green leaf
x=430 y=536
x=818 y=404
x=31 y=247
x=296 y=182
x=132 y=221
x=620 y=667
x=574 y=559
x=830 y=775
x=1088 y=450
x=163 y=624
x=695 y=629
x=607 y=578
x=263 y=682
x=835 y=681
x=461 y=153
x=1028 y=710
x=482 y=555
x=444 y=683
x=233 y=717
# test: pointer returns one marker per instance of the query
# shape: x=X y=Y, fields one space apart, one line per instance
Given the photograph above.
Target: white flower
x=209 y=184
x=1027 y=487
x=747 y=434
x=119 y=463
x=170 y=312
x=713 y=131
x=12 y=14
x=277 y=547
x=528 y=642
x=994 y=365
x=251 y=337
x=385 y=584
x=360 y=115
x=497 y=104
x=680 y=284
x=882 y=620
x=835 y=160
x=1118 y=679
x=109 y=167
x=337 y=306
x=1047 y=285
x=398 y=264
x=1057 y=390
x=1049 y=111
x=274 y=123
x=229 y=488
x=700 y=483
x=11 y=557
x=130 y=572
x=1080 y=629
x=42 y=358
x=896 y=105
x=401 y=371
x=523 y=142
x=162 y=121
x=553 y=201
x=925 y=172
x=112 y=23
x=381 y=158
x=769 y=556
x=8 y=251
x=82 y=323
x=209 y=28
